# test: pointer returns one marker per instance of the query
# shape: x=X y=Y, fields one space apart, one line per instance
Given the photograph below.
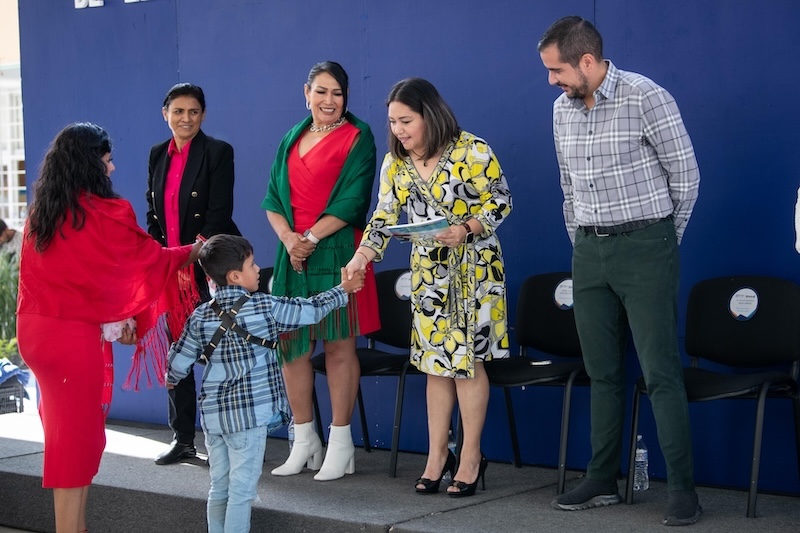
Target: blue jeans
x=236 y=460
x=633 y=278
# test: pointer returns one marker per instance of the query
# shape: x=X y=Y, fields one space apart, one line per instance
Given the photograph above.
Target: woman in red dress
x=317 y=202
x=84 y=262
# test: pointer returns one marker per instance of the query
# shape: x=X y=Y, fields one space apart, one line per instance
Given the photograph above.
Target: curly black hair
x=73 y=166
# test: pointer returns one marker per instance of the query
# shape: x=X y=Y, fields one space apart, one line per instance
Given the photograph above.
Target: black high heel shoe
x=468 y=489
x=431 y=486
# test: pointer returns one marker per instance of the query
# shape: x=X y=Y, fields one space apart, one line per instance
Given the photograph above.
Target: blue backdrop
x=727 y=64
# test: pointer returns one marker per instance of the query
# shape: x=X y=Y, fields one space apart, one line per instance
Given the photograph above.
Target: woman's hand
x=452 y=236
x=352 y=283
x=297 y=246
x=299 y=249
x=194 y=253
x=128 y=335
x=297 y=264
x=358 y=263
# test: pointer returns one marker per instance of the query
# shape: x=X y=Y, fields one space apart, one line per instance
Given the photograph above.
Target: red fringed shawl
x=107 y=271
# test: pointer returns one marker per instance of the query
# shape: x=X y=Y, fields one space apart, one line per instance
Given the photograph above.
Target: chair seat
x=705 y=385
x=521 y=371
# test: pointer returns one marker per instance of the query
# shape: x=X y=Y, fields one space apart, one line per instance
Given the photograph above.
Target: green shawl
x=349 y=201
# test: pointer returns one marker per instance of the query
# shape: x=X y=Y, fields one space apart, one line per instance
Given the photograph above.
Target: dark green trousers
x=632 y=276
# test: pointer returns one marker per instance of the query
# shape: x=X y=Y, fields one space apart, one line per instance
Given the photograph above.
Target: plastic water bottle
x=451 y=445
x=290 y=434
x=641 y=479
x=451 y=442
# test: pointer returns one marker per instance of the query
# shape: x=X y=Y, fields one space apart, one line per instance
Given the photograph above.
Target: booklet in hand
x=426 y=228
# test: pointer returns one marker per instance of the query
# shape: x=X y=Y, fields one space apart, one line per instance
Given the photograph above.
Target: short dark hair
x=3 y=225
x=185 y=89
x=223 y=253
x=441 y=126
x=337 y=71
x=574 y=36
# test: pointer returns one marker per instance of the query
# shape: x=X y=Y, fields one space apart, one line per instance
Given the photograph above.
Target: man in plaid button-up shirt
x=630 y=182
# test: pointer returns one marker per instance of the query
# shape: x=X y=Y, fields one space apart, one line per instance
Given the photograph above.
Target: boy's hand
x=355 y=283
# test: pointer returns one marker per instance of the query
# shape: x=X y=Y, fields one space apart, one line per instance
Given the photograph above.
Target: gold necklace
x=326 y=127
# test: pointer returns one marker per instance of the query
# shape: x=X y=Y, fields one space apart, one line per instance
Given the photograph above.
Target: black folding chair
x=545 y=322
x=752 y=325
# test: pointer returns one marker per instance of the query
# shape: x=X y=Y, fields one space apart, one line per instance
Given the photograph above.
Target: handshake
x=354 y=283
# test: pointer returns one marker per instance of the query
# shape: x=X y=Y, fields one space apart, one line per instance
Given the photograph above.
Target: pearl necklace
x=326 y=127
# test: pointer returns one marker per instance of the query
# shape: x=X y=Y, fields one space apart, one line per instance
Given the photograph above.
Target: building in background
x=13 y=197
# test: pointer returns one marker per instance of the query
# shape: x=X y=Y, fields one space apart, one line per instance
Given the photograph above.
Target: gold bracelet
x=364 y=256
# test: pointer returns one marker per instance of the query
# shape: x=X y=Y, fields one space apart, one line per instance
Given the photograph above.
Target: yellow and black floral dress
x=458 y=295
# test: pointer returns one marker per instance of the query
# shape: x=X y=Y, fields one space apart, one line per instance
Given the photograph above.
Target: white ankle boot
x=340 y=459
x=307 y=449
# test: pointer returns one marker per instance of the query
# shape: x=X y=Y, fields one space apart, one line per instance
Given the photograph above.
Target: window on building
x=13 y=194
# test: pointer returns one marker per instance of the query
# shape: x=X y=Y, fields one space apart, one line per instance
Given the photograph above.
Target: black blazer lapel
x=159 y=182
x=190 y=173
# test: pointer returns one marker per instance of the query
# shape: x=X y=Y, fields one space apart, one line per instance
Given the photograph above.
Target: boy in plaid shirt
x=242 y=397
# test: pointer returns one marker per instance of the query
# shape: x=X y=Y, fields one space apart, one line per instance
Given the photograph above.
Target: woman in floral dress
x=435 y=169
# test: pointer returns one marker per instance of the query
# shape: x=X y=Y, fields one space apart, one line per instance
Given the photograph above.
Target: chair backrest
x=744 y=321
x=265 y=281
x=394 y=306
x=545 y=320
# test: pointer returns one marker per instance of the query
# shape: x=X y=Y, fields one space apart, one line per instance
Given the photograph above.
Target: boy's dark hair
x=223 y=253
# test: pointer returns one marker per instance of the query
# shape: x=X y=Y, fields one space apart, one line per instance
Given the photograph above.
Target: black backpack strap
x=228 y=319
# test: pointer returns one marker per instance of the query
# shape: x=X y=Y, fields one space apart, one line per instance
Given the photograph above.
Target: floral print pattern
x=458 y=295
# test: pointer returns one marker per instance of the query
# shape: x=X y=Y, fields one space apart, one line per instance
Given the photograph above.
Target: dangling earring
x=308 y=105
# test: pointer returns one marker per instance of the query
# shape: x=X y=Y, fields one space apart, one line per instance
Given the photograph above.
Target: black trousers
x=183 y=409
x=183 y=397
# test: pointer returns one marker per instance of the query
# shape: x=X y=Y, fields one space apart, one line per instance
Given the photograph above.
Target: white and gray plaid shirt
x=627 y=158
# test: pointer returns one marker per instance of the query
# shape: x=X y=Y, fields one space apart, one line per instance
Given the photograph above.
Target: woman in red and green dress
x=317 y=203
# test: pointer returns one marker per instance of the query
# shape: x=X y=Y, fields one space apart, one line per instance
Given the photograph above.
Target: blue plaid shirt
x=242 y=384
x=627 y=158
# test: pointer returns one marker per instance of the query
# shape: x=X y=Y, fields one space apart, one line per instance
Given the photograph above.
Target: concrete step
x=132 y=493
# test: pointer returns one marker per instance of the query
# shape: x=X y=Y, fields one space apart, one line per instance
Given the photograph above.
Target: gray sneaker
x=683 y=508
x=590 y=493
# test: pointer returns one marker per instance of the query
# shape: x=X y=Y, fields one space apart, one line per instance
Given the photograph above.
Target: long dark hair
x=73 y=166
x=441 y=126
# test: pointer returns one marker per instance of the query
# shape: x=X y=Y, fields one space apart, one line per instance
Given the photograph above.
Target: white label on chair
x=563 y=294
x=743 y=304
x=402 y=287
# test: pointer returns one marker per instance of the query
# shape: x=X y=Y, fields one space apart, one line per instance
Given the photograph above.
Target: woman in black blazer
x=189 y=193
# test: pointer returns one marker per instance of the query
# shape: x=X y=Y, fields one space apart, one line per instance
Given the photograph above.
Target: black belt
x=606 y=231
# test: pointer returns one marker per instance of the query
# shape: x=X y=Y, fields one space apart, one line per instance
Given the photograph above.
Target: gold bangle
x=364 y=256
